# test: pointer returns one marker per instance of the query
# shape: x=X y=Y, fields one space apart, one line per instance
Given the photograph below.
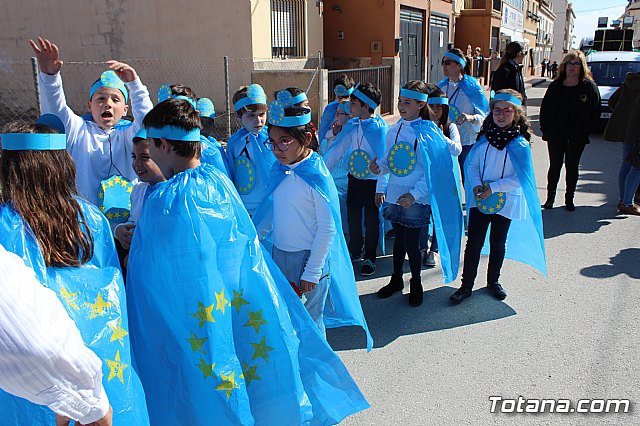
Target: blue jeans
x=628 y=177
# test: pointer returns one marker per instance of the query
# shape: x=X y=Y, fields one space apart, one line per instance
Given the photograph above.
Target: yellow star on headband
x=204 y=314
x=221 y=301
x=116 y=368
x=99 y=308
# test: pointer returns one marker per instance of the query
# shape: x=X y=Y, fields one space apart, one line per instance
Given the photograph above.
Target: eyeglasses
x=503 y=111
x=282 y=145
x=446 y=62
x=574 y=63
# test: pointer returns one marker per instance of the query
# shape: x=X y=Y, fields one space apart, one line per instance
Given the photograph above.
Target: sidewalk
x=529 y=82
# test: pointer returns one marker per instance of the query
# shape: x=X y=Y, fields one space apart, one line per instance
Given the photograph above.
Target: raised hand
x=48 y=56
x=122 y=70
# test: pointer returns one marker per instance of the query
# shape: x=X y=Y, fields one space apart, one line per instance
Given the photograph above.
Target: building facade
x=532 y=18
x=544 y=40
x=563 y=29
x=479 y=25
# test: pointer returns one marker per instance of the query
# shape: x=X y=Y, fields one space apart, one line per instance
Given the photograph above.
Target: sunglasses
x=574 y=63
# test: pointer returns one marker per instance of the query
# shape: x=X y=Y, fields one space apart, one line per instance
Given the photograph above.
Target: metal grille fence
x=288 y=28
x=381 y=77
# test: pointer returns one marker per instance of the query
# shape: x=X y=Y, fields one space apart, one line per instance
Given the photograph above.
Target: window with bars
x=288 y=28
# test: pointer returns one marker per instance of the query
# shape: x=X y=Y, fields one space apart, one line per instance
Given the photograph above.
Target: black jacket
x=509 y=76
x=624 y=124
x=584 y=112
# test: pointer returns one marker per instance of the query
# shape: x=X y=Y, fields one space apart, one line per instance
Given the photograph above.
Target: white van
x=609 y=70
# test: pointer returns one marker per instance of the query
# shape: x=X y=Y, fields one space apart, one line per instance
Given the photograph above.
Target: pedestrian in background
x=568 y=108
x=624 y=126
x=509 y=72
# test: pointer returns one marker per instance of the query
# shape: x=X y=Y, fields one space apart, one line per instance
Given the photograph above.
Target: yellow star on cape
x=207 y=369
x=116 y=368
x=69 y=298
x=118 y=332
x=221 y=301
x=228 y=383
x=99 y=308
x=196 y=343
x=249 y=373
x=204 y=314
x=238 y=301
x=261 y=350
x=255 y=320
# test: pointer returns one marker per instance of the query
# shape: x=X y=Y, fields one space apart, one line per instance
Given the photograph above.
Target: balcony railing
x=475 y=4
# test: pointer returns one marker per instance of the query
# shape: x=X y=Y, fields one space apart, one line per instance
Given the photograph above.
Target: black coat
x=584 y=106
x=509 y=76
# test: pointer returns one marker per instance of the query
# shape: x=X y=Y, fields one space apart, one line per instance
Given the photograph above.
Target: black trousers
x=361 y=196
x=477 y=232
x=406 y=241
x=567 y=153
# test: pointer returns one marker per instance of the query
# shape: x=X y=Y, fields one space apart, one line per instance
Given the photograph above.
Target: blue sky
x=588 y=11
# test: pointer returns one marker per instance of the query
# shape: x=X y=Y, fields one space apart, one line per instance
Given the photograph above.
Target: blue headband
x=456 y=58
x=277 y=115
x=345 y=106
x=413 y=94
x=174 y=133
x=255 y=95
x=286 y=99
x=206 y=108
x=34 y=142
x=186 y=98
x=142 y=134
x=438 y=100
x=342 y=91
x=508 y=98
x=364 y=98
x=111 y=80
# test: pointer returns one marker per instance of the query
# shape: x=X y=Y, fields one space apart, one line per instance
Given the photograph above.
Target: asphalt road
x=572 y=335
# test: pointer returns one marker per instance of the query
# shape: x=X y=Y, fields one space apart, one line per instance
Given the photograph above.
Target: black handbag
x=634 y=156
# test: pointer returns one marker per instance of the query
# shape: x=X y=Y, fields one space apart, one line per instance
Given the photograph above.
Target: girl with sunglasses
x=501 y=189
x=468 y=106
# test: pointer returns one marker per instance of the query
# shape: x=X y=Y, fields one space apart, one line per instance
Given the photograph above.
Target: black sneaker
x=368 y=268
x=497 y=291
x=460 y=294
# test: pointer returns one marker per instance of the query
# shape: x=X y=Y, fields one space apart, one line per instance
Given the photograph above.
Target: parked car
x=609 y=70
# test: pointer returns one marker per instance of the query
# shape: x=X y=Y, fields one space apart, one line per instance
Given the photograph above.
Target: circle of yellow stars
x=401 y=159
x=244 y=184
x=229 y=380
x=119 y=212
x=454 y=113
x=493 y=204
x=359 y=163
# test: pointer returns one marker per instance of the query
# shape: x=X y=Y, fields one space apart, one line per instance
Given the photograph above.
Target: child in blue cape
x=303 y=215
x=411 y=190
x=68 y=244
x=249 y=160
x=343 y=87
x=362 y=140
x=438 y=107
x=212 y=150
x=468 y=105
x=501 y=192
x=99 y=143
x=218 y=333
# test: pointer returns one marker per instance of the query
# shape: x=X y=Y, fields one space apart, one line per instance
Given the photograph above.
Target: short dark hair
x=344 y=80
x=371 y=91
x=181 y=90
x=242 y=93
x=178 y=113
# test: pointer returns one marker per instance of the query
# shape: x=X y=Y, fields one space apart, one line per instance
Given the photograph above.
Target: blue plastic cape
x=94 y=298
x=213 y=153
x=473 y=90
x=343 y=305
x=327 y=119
x=444 y=187
x=262 y=161
x=525 y=240
x=219 y=335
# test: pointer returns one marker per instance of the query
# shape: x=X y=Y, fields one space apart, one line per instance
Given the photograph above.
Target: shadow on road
x=391 y=318
x=585 y=220
x=625 y=262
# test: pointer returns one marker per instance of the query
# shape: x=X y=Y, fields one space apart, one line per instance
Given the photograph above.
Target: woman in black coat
x=509 y=72
x=568 y=109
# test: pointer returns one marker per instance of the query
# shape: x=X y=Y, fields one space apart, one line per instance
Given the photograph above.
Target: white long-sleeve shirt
x=469 y=129
x=93 y=149
x=453 y=141
x=515 y=206
x=42 y=356
x=416 y=182
x=302 y=220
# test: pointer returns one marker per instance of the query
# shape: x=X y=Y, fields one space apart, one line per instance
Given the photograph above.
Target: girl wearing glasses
x=468 y=106
x=302 y=213
x=501 y=189
x=568 y=109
